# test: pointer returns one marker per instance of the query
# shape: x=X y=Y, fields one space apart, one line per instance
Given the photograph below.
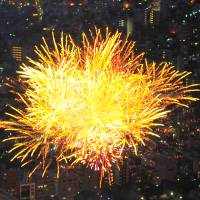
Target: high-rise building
x=130 y=27
x=125 y=20
x=53 y=10
x=17 y=53
x=38 y=5
x=102 y=4
x=72 y=182
x=17 y=3
x=154 y=12
x=27 y=191
x=122 y=176
x=45 y=187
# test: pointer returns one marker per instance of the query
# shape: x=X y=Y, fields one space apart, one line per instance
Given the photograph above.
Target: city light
x=90 y=104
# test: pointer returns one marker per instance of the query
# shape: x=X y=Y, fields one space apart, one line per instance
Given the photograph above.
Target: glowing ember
x=87 y=105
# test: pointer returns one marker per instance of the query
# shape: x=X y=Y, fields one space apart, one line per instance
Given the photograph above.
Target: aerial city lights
x=91 y=104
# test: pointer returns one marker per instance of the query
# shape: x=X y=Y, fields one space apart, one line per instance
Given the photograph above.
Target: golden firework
x=89 y=104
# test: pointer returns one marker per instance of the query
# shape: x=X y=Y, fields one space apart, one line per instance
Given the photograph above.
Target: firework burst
x=86 y=105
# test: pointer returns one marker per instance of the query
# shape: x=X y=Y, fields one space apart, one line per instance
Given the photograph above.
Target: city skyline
x=165 y=30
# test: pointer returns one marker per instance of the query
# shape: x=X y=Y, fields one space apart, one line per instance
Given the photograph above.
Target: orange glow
x=72 y=4
x=35 y=14
x=193 y=1
x=126 y=5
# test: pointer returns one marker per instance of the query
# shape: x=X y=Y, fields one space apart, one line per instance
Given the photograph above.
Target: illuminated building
x=53 y=10
x=145 y=16
x=38 y=4
x=154 y=12
x=18 y=3
x=125 y=21
x=147 y=12
x=130 y=28
x=1 y=71
x=17 y=53
x=140 y=14
x=184 y=53
x=155 y=5
x=154 y=17
x=45 y=187
x=27 y=191
x=122 y=177
x=72 y=182
x=121 y=23
x=101 y=4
